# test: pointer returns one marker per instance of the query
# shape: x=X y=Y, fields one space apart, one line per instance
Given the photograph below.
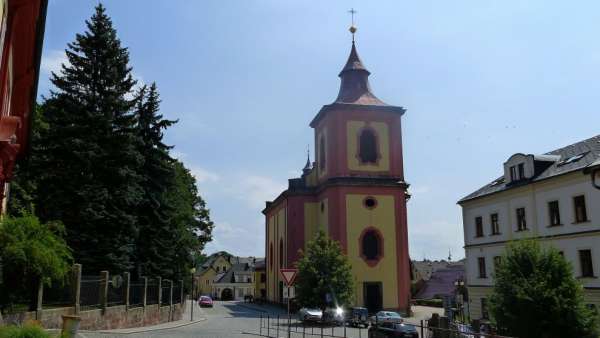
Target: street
x=237 y=319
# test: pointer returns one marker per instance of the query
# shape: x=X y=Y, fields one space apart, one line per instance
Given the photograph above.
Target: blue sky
x=480 y=80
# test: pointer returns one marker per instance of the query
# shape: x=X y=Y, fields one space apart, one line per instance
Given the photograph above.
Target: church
x=354 y=191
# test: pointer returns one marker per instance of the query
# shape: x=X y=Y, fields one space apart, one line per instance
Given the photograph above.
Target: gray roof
x=227 y=277
x=590 y=149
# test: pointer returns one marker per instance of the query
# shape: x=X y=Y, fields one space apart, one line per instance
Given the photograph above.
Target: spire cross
x=352 y=28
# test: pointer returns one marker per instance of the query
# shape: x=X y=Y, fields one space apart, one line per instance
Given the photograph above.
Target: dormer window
x=513 y=173
x=521 y=168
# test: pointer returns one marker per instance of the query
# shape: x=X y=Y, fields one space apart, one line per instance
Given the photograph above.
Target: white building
x=554 y=197
x=234 y=284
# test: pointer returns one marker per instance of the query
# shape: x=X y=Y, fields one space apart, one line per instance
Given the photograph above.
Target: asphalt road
x=232 y=319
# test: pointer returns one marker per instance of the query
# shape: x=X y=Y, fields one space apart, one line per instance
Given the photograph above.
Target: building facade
x=552 y=197
x=22 y=25
x=354 y=191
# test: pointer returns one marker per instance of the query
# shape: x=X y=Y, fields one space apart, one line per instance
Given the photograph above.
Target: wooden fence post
x=103 y=289
x=145 y=297
x=159 y=279
x=127 y=281
x=40 y=299
x=76 y=285
x=181 y=300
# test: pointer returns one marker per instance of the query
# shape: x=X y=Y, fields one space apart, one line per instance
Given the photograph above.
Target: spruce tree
x=155 y=252
x=91 y=150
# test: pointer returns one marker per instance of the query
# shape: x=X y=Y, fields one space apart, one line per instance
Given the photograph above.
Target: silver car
x=386 y=317
x=310 y=314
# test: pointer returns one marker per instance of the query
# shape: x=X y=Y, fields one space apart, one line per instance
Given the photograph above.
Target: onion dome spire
x=355 y=86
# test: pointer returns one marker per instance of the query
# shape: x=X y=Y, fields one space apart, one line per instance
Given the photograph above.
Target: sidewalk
x=185 y=321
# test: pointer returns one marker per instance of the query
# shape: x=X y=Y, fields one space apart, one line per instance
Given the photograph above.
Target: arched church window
x=368 y=152
x=280 y=253
x=322 y=157
x=371 y=246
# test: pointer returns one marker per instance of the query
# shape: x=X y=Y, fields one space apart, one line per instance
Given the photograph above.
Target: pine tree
x=191 y=224
x=155 y=252
x=323 y=269
x=91 y=150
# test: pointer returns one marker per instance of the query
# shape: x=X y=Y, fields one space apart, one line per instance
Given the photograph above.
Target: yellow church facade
x=354 y=191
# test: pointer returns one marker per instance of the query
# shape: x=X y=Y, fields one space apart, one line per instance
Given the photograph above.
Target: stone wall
x=114 y=317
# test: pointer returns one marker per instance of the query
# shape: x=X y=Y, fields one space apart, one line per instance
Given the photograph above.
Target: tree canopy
x=98 y=165
x=323 y=269
x=536 y=295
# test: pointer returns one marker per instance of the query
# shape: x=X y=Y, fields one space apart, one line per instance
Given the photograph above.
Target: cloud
x=53 y=60
x=243 y=240
x=418 y=190
x=255 y=189
x=203 y=175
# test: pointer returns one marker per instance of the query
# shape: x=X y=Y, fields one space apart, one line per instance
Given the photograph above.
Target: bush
x=29 y=330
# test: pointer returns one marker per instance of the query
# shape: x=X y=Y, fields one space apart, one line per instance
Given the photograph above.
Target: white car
x=310 y=314
x=386 y=317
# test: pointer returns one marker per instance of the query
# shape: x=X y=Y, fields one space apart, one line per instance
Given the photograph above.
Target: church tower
x=355 y=192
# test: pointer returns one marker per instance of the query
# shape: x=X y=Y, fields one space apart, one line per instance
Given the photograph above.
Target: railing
x=88 y=292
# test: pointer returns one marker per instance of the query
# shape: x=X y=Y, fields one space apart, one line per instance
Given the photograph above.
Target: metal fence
x=152 y=292
x=88 y=292
x=166 y=293
x=291 y=327
x=116 y=291
x=89 y=296
x=58 y=295
x=136 y=294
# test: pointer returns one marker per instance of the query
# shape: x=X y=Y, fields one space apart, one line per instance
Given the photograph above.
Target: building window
x=371 y=246
x=481 y=264
x=281 y=253
x=249 y=280
x=497 y=261
x=217 y=268
x=521 y=221
x=495 y=225
x=263 y=277
x=554 y=211
x=580 y=211
x=370 y=202
x=521 y=168
x=478 y=226
x=585 y=260
x=368 y=153
x=484 y=309
x=513 y=173
x=322 y=157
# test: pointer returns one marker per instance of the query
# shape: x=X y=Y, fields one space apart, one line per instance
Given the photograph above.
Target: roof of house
x=441 y=282
x=574 y=157
x=227 y=277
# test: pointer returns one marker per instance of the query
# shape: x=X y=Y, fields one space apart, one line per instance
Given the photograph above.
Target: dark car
x=357 y=316
x=389 y=329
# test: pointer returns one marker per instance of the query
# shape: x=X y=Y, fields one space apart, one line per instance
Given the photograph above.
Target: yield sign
x=288 y=275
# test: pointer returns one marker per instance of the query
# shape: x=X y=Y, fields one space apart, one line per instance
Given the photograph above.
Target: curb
x=138 y=330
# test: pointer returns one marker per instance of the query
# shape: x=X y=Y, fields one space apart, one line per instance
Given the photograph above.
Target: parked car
x=333 y=316
x=357 y=316
x=386 y=316
x=390 y=329
x=310 y=314
x=205 y=301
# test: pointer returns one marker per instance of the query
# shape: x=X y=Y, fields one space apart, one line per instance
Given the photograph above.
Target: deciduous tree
x=536 y=295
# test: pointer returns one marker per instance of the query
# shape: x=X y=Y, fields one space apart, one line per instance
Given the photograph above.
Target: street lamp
x=193 y=271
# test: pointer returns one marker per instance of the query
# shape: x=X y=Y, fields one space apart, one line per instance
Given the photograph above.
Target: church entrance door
x=373 y=296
